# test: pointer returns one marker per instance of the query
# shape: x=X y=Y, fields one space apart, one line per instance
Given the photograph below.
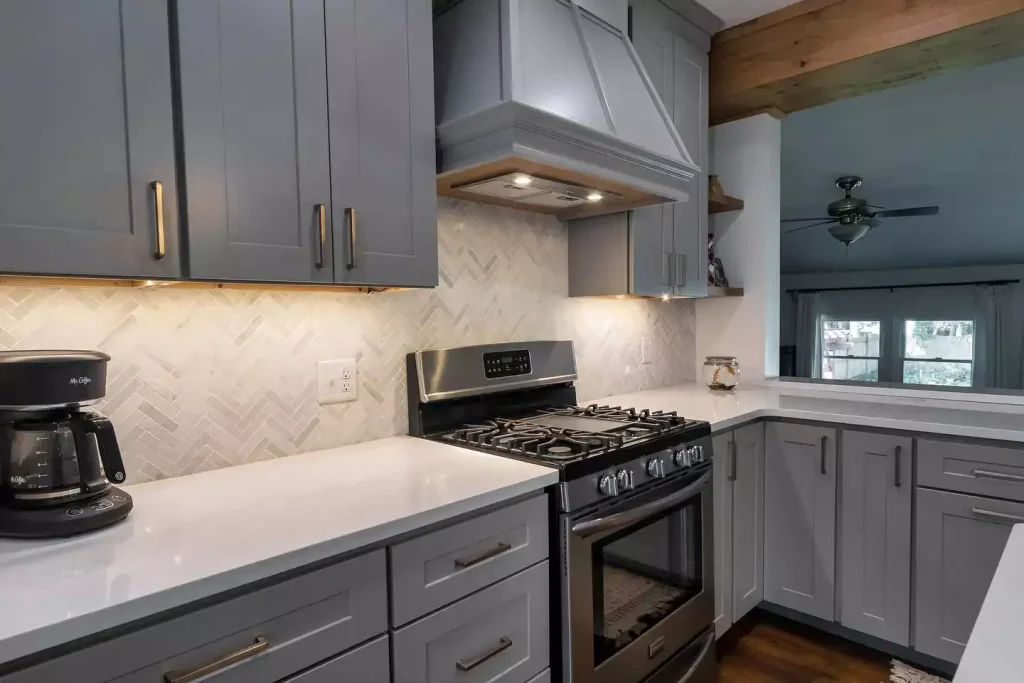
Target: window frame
x=821 y=355
x=901 y=358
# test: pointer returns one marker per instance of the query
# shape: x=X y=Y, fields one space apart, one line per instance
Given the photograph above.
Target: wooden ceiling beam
x=818 y=51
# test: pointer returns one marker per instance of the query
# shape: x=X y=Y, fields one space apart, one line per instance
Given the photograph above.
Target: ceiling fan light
x=848 y=234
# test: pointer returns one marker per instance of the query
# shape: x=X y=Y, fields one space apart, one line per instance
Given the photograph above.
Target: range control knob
x=607 y=485
x=624 y=478
x=682 y=458
x=656 y=468
x=698 y=454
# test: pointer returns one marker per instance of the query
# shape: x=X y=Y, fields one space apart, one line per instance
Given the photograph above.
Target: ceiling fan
x=851 y=217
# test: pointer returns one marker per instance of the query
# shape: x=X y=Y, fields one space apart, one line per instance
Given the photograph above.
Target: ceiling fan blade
x=804 y=220
x=810 y=226
x=903 y=213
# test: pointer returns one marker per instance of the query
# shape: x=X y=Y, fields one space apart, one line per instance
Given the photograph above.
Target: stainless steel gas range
x=631 y=519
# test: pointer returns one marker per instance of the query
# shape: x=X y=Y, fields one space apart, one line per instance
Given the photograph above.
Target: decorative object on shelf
x=716 y=271
x=721 y=373
x=718 y=200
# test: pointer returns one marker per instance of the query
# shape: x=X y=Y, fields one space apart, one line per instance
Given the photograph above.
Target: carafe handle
x=110 y=453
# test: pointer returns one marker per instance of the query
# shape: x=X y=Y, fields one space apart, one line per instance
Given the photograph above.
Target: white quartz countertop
x=985 y=419
x=994 y=651
x=192 y=537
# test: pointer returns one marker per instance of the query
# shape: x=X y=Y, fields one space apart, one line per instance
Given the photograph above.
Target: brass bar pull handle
x=485 y=555
x=732 y=454
x=680 y=270
x=899 y=456
x=824 y=442
x=351 y=213
x=998 y=516
x=468 y=665
x=999 y=476
x=321 y=218
x=158 y=211
x=261 y=645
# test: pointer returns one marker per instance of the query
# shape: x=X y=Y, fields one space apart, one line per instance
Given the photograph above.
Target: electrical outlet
x=337 y=381
x=645 y=350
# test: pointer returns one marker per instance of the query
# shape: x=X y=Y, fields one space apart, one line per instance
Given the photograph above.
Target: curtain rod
x=892 y=287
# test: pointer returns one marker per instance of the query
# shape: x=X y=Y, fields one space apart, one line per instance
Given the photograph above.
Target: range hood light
x=522 y=179
x=595 y=197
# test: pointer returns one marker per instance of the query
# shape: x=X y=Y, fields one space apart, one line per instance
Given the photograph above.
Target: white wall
x=746 y=155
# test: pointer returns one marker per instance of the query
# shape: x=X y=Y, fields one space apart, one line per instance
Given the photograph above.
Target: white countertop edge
x=1012 y=402
x=86 y=625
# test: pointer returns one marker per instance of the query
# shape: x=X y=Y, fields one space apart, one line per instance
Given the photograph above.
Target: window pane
x=857 y=370
x=851 y=338
x=937 y=373
x=945 y=339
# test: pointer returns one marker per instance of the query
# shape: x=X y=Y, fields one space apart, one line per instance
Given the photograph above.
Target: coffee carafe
x=58 y=459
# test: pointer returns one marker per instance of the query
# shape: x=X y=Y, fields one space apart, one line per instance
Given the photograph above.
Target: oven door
x=640 y=580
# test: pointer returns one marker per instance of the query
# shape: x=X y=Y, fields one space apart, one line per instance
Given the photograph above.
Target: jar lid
x=726 y=359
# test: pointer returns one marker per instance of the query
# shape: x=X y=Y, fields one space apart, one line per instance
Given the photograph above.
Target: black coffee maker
x=57 y=460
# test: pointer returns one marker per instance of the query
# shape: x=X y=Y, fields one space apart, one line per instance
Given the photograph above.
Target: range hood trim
x=514 y=129
x=488 y=124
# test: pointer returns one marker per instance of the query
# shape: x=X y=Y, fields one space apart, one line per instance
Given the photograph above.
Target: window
x=850 y=349
x=938 y=352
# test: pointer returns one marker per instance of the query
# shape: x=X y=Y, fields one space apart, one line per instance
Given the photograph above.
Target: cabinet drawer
x=369 y=663
x=275 y=631
x=499 y=635
x=970 y=468
x=435 y=570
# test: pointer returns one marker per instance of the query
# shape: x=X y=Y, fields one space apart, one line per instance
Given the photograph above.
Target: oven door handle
x=641 y=512
x=709 y=640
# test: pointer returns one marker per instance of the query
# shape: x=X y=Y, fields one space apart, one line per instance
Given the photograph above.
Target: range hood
x=542 y=105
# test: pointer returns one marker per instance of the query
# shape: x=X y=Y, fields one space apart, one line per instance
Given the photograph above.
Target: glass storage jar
x=721 y=373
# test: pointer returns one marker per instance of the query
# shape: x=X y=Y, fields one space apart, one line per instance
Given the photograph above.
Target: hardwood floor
x=768 y=649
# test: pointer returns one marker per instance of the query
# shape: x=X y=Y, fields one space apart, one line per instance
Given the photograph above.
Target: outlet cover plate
x=645 y=350
x=336 y=381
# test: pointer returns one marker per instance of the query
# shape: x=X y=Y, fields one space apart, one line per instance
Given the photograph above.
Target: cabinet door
x=383 y=184
x=721 y=445
x=650 y=251
x=690 y=219
x=254 y=123
x=800 y=518
x=747 y=519
x=85 y=129
x=875 y=523
x=959 y=542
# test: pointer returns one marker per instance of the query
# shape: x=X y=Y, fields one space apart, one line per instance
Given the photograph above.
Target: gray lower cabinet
x=255 y=137
x=87 y=139
x=721 y=444
x=501 y=633
x=875 y=534
x=800 y=518
x=960 y=539
x=441 y=567
x=738 y=468
x=383 y=174
x=370 y=663
x=747 y=477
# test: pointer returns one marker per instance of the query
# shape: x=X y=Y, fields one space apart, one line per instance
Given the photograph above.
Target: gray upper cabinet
x=383 y=173
x=255 y=138
x=674 y=53
x=800 y=518
x=87 y=139
x=875 y=535
x=747 y=479
x=959 y=542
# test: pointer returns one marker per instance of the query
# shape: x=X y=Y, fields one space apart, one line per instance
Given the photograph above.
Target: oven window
x=643 y=575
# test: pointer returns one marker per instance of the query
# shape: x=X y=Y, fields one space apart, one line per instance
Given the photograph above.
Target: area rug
x=904 y=673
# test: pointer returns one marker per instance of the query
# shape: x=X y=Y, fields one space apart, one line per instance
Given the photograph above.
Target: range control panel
x=507 y=364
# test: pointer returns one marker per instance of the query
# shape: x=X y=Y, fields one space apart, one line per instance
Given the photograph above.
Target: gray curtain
x=999 y=338
x=807 y=313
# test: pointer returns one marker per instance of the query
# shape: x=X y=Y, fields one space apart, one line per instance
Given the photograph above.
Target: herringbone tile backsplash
x=203 y=379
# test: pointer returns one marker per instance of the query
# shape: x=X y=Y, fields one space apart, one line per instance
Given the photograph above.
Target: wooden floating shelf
x=724 y=203
x=725 y=291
